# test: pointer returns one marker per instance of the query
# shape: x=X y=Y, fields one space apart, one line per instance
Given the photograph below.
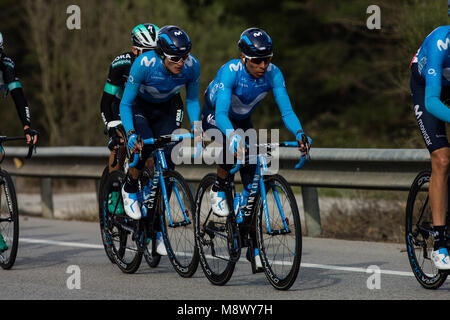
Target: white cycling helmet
x=144 y=36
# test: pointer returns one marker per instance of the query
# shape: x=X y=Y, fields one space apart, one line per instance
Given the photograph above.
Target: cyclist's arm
x=136 y=77
x=223 y=102
x=112 y=93
x=288 y=115
x=433 y=80
x=192 y=103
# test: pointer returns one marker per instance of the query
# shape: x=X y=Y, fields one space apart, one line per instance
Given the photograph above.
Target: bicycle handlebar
x=30 y=147
x=165 y=140
x=289 y=144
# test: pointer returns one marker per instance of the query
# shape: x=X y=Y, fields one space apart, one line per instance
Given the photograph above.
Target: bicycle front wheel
x=212 y=236
x=9 y=221
x=178 y=224
x=278 y=233
x=419 y=241
x=117 y=232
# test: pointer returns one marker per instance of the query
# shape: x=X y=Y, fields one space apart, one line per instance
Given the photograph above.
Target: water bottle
x=237 y=205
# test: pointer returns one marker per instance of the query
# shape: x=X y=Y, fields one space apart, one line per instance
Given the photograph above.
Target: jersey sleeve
x=288 y=115
x=15 y=87
x=192 y=88
x=135 y=79
x=437 y=50
x=224 y=93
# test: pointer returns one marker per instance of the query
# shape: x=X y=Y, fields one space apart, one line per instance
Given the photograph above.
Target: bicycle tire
x=215 y=259
x=8 y=210
x=101 y=202
x=150 y=255
x=124 y=250
x=179 y=236
x=280 y=251
x=418 y=220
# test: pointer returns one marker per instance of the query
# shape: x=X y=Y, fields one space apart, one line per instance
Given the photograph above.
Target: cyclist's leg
x=435 y=138
x=131 y=186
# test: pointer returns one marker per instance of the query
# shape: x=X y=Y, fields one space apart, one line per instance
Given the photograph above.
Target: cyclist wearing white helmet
x=143 y=38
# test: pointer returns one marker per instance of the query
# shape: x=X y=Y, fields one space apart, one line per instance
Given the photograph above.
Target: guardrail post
x=47 y=198
x=313 y=225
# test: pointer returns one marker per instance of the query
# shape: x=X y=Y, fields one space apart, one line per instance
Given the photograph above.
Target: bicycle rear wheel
x=419 y=240
x=118 y=228
x=211 y=236
x=9 y=220
x=279 y=234
x=178 y=229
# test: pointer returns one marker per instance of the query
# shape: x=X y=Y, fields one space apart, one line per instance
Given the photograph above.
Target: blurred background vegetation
x=349 y=85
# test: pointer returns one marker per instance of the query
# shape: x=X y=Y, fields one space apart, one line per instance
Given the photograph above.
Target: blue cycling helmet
x=173 y=41
x=255 y=43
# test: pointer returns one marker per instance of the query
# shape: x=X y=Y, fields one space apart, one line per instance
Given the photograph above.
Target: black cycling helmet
x=144 y=36
x=173 y=41
x=255 y=43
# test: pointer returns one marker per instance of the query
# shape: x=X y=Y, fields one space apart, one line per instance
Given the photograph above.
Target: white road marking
x=303 y=265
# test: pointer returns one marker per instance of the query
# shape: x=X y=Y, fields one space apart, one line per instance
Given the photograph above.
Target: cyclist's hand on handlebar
x=134 y=143
x=31 y=135
x=303 y=143
x=198 y=131
x=236 y=146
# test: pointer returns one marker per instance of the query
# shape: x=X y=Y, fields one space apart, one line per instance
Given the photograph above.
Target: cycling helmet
x=255 y=43
x=144 y=36
x=173 y=41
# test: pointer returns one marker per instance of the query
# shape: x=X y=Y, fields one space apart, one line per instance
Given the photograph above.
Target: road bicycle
x=419 y=233
x=268 y=220
x=9 y=212
x=167 y=206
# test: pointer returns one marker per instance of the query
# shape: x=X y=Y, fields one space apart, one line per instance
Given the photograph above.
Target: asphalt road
x=331 y=269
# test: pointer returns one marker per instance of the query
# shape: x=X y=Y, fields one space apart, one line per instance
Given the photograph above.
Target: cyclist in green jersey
x=9 y=83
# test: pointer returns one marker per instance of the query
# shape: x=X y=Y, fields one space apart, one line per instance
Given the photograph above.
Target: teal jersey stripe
x=111 y=89
x=14 y=85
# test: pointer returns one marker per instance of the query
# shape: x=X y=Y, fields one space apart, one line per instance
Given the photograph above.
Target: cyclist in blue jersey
x=232 y=97
x=9 y=83
x=143 y=38
x=150 y=107
x=430 y=88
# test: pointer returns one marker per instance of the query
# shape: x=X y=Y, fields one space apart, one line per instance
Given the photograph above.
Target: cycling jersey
x=115 y=85
x=9 y=82
x=433 y=63
x=234 y=94
x=150 y=80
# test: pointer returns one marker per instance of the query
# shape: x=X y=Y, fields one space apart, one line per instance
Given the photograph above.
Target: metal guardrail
x=383 y=169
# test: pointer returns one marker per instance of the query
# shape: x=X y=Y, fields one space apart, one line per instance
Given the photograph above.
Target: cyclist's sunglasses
x=176 y=59
x=142 y=50
x=259 y=60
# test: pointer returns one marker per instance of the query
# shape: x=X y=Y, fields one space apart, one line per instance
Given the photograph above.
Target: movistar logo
x=257 y=34
x=148 y=63
x=417 y=112
x=235 y=67
x=443 y=46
